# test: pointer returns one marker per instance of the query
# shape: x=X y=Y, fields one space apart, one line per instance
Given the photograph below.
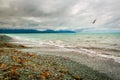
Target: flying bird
x=94 y=21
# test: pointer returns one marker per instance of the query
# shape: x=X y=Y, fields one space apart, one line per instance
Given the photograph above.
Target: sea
x=106 y=45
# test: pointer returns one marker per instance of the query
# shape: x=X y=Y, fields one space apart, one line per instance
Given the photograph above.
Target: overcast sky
x=60 y=14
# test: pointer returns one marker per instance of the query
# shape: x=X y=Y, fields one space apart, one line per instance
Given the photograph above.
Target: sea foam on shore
x=91 y=45
x=102 y=50
x=15 y=64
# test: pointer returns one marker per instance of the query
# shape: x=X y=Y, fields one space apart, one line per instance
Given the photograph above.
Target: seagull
x=94 y=21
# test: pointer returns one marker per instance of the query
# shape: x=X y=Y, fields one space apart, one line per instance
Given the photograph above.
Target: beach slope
x=18 y=65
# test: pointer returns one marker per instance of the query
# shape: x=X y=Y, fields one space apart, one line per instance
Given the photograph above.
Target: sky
x=60 y=14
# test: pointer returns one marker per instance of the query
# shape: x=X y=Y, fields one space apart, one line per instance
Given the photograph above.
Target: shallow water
x=106 y=45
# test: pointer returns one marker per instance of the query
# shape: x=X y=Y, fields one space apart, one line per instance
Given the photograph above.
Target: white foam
x=56 y=43
x=64 y=46
x=93 y=53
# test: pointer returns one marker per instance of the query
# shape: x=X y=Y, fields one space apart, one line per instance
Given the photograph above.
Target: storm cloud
x=60 y=14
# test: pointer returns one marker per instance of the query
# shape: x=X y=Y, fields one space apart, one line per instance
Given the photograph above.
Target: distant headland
x=34 y=31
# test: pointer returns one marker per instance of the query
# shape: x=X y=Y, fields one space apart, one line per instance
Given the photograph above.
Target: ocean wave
x=67 y=46
x=103 y=48
x=99 y=54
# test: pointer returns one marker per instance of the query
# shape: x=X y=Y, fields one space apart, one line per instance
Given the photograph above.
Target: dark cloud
x=59 y=14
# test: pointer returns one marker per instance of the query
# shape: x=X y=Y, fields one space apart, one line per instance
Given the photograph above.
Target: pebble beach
x=19 y=65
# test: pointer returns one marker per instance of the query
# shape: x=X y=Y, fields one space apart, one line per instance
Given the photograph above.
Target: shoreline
x=74 y=70
x=101 y=64
x=55 y=67
x=107 y=66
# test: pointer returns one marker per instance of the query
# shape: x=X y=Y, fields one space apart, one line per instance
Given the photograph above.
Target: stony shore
x=18 y=65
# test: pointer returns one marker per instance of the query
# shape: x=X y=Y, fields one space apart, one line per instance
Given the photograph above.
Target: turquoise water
x=101 y=44
x=72 y=37
x=65 y=36
x=101 y=40
x=99 y=37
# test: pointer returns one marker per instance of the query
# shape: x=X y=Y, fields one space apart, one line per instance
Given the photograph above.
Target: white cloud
x=32 y=19
x=59 y=14
x=78 y=8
